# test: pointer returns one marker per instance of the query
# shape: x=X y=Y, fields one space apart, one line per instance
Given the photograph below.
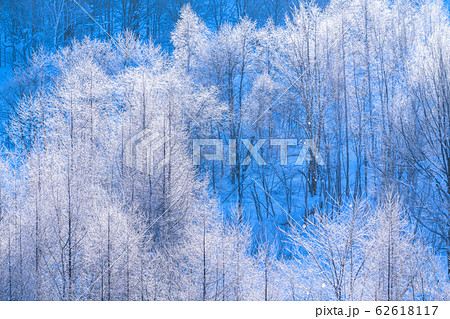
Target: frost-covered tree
x=367 y=81
x=367 y=253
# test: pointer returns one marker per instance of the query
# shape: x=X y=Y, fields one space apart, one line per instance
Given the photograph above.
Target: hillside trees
x=368 y=253
x=80 y=223
x=424 y=125
x=100 y=198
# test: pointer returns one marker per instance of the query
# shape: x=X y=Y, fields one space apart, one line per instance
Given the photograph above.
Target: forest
x=225 y=150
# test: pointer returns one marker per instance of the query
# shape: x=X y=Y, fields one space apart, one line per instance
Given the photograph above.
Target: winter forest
x=232 y=93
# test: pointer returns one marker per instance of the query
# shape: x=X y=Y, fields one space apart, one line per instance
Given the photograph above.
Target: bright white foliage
x=368 y=81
